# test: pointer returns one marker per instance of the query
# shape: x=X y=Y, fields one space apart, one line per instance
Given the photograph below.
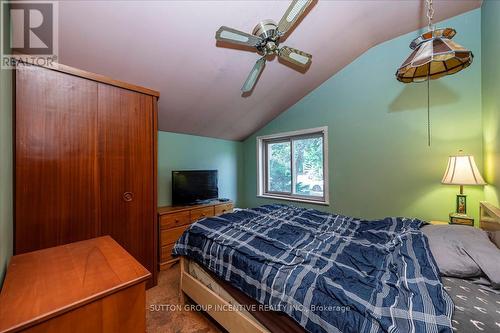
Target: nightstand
x=461 y=219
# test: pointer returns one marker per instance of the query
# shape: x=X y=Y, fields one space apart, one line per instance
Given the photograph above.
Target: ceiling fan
x=265 y=38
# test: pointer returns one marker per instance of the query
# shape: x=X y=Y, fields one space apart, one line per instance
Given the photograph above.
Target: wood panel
x=166 y=252
x=201 y=213
x=44 y=284
x=232 y=321
x=126 y=142
x=171 y=236
x=121 y=312
x=56 y=172
x=156 y=245
x=175 y=220
x=223 y=209
x=489 y=217
x=96 y=77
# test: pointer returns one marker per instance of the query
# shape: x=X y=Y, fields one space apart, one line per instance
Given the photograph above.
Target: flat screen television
x=191 y=187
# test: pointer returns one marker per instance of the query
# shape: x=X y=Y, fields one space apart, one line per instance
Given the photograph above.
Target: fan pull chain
x=428 y=112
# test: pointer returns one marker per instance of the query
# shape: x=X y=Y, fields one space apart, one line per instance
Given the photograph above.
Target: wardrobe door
x=56 y=170
x=126 y=141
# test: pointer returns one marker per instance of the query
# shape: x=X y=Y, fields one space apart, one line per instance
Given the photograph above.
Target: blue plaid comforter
x=330 y=273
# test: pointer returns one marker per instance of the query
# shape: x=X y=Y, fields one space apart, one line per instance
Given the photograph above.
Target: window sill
x=279 y=197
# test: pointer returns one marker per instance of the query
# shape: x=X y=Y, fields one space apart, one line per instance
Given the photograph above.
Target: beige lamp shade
x=462 y=170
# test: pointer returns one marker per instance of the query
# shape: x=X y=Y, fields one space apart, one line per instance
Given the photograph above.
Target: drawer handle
x=176 y=221
x=128 y=196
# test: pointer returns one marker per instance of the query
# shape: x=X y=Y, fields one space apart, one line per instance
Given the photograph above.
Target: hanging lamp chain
x=430 y=14
x=429 y=112
x=430 y=17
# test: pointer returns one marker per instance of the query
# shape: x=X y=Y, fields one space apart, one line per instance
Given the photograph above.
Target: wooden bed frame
x=232 y=321
x=489 y=217
x=236 y=321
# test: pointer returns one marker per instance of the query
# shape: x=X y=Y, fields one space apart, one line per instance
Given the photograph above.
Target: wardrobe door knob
x=128 y=196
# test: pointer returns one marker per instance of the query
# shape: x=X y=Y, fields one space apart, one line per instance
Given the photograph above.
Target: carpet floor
x=164 y=313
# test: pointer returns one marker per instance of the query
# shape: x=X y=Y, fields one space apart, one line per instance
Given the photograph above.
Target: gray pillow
x=495 y=237
x=463 y=252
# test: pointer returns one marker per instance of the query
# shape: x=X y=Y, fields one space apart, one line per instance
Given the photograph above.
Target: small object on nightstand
x=461 y=219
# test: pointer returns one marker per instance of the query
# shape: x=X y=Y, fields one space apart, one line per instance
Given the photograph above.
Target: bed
x=238 y=303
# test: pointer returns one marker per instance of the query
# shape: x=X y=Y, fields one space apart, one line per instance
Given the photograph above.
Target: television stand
x=200 y=202
x=173 y=220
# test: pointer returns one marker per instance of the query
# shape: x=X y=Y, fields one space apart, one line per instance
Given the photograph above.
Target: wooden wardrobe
x=85 y=161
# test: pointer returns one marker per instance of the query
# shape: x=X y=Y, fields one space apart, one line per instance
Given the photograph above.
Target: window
x=294 y=166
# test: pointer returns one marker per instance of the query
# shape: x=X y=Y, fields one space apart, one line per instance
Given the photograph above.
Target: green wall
x=380 y=164
x=189 y=152
x=5 y=170
x=490 y=42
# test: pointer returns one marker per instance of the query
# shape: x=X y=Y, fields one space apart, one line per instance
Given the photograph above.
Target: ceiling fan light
x=435 y=55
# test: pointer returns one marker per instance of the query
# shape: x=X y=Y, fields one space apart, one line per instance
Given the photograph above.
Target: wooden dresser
x=85 y=161
x=87 y=286
x=173 y=220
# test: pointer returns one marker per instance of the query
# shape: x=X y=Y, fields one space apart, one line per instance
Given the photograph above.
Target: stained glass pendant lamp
x=434 y=55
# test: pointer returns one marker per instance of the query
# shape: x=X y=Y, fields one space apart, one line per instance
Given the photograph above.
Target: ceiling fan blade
x=292 y=14
x=230 y=35
x=254 y=75
x=295 y=56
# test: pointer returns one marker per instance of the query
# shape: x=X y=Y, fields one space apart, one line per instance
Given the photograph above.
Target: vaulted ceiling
x=169 y=46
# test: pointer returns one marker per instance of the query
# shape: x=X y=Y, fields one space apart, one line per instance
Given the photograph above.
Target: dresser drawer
x=166 y=252
x=223 y=209
x=170 y=236
x=200 y=213
x=174 y=220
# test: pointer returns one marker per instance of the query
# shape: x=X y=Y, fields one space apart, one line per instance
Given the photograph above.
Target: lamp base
x=461 y=204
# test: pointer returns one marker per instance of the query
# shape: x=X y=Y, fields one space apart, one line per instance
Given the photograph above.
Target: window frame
x=263 y=165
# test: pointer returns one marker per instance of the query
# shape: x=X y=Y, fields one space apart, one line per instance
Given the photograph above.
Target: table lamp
x=462 y=170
